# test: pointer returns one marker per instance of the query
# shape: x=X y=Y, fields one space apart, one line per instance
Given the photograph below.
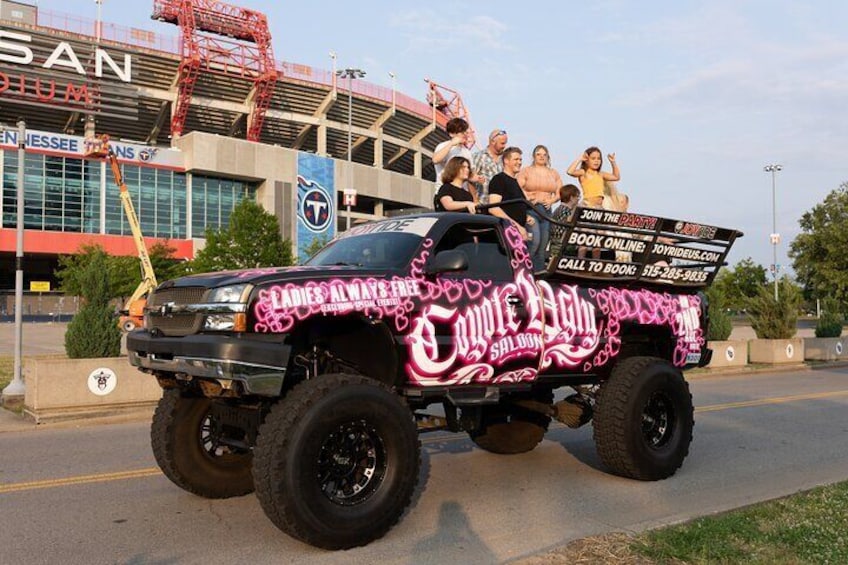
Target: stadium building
x=200 y=116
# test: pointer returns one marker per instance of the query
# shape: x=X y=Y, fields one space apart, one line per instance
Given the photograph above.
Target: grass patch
x=810 y=527
x=7 y=370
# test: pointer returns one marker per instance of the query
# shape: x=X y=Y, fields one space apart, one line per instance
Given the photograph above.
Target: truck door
x=480 y=325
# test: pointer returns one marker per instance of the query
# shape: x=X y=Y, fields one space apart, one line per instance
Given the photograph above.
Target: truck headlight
x=236 y=322
x=228 y=294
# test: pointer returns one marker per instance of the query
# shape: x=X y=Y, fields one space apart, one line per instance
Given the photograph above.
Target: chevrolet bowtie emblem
x=167 y=308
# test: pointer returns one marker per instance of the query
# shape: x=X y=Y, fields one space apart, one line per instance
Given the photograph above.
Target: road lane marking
x=154 y=471
x=80 y=480
x=767 y=401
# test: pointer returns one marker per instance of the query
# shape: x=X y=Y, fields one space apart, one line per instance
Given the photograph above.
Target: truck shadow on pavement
x=454 y=533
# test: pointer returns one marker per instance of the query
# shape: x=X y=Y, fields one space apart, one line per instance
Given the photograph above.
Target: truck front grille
x=177 y=324
x=177 y=295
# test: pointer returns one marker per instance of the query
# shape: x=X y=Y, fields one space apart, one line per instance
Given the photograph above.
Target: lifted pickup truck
x=311 y=384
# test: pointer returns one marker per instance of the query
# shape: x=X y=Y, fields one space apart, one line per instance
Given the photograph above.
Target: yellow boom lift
x=132 y=316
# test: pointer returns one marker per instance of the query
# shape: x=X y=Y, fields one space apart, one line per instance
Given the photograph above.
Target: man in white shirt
x=457 y=129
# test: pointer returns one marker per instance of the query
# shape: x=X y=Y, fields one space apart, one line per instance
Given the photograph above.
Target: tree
x=738 y=285
x=307 y=251
x=124 y=273
x=720 y=326
x=252 y=239
x=775 y=319
x=93 y=331
x=819 y=252
x=73 y=269
x=830 y=322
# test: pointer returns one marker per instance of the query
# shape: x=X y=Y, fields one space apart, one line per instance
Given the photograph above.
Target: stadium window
x=180 y=220
x=72 y=196
x=34 y=192
x=91 y=197
x=146 y=199
x=10 y=188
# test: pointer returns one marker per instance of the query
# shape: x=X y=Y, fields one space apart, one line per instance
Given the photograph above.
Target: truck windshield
x=376 y=250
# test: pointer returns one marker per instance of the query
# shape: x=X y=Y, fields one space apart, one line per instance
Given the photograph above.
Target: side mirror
x=449 y=261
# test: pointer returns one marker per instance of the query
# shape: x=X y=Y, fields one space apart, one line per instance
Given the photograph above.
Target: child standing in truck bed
x=587 y=170
x=569 y=196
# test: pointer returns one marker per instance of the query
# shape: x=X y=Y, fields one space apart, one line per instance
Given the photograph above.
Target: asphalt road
x=92 y=494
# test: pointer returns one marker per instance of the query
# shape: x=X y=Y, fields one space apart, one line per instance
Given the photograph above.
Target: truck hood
x=270 y=275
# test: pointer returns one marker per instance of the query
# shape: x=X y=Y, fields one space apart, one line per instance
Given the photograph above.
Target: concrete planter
x=776 y=351
x=733 y=353
x=825 y=348
x=60 y=388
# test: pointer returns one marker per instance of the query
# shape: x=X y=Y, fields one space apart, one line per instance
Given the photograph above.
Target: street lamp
x=350 y=74
x=98 y=25
x=333 y=57
x=15 y=391
x=394 y=90
x=775 y=237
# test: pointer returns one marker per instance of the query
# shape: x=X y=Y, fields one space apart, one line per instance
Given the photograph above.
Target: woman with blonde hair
x=541 y=183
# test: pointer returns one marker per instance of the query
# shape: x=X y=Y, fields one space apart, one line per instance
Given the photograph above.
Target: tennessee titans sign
x=314 y=205
x=316 y=202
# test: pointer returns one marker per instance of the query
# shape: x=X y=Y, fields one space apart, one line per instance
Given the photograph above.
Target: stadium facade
x=198 y=123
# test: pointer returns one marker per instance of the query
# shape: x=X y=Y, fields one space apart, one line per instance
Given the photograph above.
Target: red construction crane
x=246 y=52
x=449 y=102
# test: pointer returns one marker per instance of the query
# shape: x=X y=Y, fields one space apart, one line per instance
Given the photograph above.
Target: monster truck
x=310 y=385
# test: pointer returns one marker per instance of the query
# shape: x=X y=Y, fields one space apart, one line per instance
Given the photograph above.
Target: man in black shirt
x=504 y=186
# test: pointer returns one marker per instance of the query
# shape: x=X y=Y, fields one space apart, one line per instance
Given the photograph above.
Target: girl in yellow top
x=587 y=170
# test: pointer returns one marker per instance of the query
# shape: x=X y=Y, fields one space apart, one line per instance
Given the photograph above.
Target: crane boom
x=100 y=147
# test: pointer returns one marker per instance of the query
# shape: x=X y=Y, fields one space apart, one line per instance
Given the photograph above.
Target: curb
x=760 y=369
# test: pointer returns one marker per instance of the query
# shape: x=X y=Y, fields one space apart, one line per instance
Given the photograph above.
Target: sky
x=694 y=98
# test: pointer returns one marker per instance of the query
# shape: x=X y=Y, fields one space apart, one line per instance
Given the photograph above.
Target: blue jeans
x=541 y=231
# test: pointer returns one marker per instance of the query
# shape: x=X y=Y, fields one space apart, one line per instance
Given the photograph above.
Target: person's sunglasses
x=497 y=133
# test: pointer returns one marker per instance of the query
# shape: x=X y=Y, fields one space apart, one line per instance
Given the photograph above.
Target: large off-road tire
x=507 y=429
x=337 y=461
x=189 y=455
x=643 y=419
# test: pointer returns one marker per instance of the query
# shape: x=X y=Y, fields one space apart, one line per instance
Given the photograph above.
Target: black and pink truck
x=311 y=384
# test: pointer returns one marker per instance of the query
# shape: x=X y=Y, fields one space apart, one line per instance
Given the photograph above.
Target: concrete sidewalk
x=14 y=422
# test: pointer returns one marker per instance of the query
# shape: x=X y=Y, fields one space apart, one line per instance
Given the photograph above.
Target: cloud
x=440 y=32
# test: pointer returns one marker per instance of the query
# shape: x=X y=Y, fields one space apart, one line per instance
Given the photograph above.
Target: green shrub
x=830 y=322
x=772 y=319
x=720 y=326
x=93 y=332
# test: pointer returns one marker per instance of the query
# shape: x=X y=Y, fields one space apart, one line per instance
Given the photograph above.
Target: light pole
x=98 y=25
x=14 y=392
x=774 y=168
x=350 y=74
x=394 y=90
x=335 y=73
